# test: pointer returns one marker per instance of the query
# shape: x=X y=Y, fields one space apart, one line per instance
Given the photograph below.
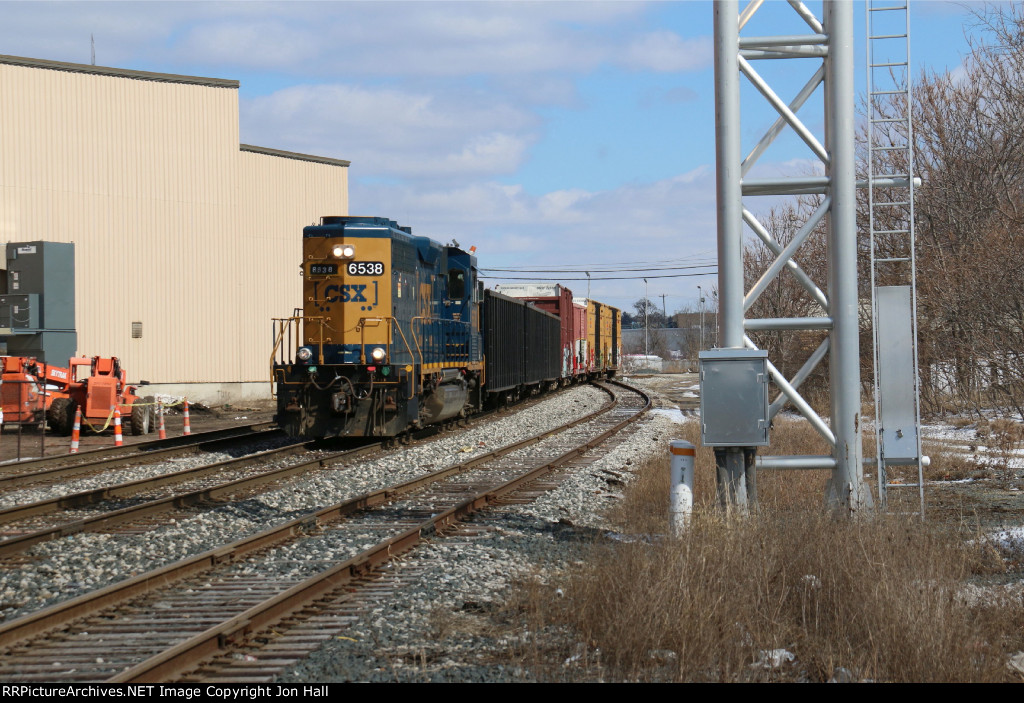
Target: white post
x=681 y=485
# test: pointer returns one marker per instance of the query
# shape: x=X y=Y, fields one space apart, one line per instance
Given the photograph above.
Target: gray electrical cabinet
x=896 y=379
x=19 y=312
x=734 y=398
x=37 y=311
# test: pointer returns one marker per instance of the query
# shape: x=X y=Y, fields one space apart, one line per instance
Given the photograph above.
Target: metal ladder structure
x=735 y=411
x=890 y=189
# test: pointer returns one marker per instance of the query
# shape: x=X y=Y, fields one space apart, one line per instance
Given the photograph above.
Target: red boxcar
x=557 y=299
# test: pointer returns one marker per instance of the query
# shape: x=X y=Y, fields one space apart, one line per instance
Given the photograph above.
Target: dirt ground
x=25 y=443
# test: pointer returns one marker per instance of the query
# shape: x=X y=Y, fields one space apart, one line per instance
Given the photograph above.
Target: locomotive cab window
x=456 y=284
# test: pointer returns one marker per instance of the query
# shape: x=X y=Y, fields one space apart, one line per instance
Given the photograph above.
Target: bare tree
x=969 y=213
x=969 y=148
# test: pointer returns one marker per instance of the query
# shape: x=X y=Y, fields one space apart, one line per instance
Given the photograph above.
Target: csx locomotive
x=397 y=332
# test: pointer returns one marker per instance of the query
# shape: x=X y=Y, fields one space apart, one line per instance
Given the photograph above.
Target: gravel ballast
x=68 y=567
x=440 y=623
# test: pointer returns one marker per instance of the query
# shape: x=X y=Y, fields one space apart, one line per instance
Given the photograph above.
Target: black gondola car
x=521 y=347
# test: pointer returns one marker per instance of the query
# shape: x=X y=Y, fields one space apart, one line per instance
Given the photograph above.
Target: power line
x=584 y=267
x=669 y=275
x=596 y=270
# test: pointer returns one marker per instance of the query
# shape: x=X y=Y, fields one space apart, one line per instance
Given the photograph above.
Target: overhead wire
x=598 y=270
x=598 y=278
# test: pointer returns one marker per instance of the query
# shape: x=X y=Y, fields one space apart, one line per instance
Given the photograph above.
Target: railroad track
x=165 y=623
x=48 y=470
x=144 y=504
x=107 y=507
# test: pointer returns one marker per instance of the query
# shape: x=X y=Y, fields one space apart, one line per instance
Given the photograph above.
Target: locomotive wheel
x=142 y=415
x=61 y=415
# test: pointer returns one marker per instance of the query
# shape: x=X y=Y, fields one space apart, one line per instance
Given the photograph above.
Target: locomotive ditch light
x=343 y=251
x=304 y=354
x=378 y=354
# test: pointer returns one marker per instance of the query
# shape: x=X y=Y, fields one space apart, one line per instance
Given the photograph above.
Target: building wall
x=175 y=225
x=279 y=196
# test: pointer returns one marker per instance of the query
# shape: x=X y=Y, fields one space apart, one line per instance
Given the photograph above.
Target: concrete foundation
x=211 y=394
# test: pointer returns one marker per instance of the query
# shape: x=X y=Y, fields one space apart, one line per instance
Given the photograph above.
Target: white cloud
x=393 y=132
x=667 y=219
x=457 y=39
x=329 y=39
x=667 y=51
x=265 y=44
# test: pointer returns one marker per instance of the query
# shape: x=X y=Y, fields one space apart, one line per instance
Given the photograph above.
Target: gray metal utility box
x=48 y=270
x=19 y=312
x=37 y=311
x=897 y=382
x=734 y=398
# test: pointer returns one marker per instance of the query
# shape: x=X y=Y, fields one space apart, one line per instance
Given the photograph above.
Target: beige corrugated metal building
x=175 y=224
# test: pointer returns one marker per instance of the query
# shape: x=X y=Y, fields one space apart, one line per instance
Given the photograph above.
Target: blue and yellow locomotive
x=389 y=335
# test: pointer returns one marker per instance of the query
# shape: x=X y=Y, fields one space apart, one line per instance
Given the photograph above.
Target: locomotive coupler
x=341 y=402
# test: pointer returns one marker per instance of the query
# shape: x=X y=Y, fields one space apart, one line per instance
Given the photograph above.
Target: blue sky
x=548 y=134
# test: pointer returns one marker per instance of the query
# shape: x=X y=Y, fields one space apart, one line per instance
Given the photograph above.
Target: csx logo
x=348 y=293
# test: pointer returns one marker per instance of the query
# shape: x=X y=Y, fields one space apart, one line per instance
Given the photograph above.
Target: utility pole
x=647 y=316
x=714 y=298
x=700 y=302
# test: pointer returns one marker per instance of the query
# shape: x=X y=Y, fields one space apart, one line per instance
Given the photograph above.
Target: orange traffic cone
x=118 y=439
x=160 y=414
x=188 y=427
x=76 y=430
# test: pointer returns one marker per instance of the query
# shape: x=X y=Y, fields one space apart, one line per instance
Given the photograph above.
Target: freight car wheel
x=61 y=415
x=142 y=415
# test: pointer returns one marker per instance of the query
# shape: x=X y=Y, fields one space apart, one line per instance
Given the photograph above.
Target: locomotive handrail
x=412 y=392
x=392 y=324
x=284 y=328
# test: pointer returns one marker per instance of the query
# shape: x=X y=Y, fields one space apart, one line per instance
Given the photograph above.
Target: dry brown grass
x=1002 y=437
x=947 y=463
x=869 y=599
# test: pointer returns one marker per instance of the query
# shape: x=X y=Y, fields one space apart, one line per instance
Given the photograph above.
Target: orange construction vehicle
x=96 y=393
x=28 y=388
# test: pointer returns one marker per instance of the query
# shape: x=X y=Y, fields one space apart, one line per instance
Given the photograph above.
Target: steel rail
x=19 y=543
x=61 y=614
x=70 y=464
x=123 y=490
x=236 y=630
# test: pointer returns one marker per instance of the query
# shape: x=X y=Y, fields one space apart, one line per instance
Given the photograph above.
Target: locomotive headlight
x=343 y=251
x=378 y=354
x=304 y=354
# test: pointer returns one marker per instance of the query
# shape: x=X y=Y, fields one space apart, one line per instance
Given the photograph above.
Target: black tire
x=61 y=415
x=142 y=416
